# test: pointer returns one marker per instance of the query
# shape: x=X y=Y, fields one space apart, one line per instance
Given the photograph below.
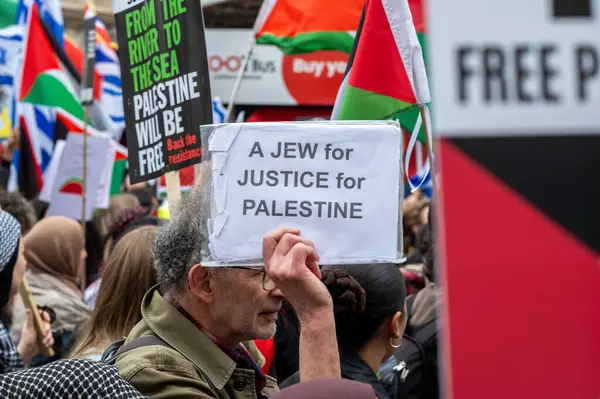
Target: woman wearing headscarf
x=55 y=254
x=12 y=268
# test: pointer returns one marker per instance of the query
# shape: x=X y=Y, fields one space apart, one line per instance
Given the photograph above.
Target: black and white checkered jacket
x=69 y=378
x=9 y=358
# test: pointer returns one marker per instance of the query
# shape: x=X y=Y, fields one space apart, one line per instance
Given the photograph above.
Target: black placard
x=166 y=87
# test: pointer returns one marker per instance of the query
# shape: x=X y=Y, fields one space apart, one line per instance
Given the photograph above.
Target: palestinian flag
x=304 y=26
x=47 y=77
x=386 y=71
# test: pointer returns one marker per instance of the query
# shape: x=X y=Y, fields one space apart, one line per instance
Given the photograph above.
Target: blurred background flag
x=304 y=26
x=49 y=10
x=107 y=66
x=10 y=46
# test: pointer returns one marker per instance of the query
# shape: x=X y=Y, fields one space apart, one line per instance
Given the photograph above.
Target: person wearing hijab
x=55 y=254
x=12 y=268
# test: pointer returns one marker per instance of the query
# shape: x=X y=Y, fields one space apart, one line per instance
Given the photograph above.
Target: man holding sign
x=202 y=320
x=195 y=336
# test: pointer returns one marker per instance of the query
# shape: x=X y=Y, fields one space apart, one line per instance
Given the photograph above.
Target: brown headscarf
x=54 y=246
x=326 y=389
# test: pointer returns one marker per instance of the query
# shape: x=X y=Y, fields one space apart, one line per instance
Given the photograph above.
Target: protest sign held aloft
x=67 y=187
x=165 y=79
x=339 y=183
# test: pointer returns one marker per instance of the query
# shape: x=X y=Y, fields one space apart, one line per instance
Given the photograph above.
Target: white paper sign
x=65 y=199
x=103 y=199
x=337 y=182
x=51 y=171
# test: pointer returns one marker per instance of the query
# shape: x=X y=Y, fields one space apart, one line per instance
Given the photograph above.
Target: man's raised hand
x=292 y=263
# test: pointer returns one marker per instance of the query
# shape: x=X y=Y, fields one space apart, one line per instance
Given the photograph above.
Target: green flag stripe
x=60 y=98
x=8 y=12
x=359 y=104
x=117 y=177
x=310 y=42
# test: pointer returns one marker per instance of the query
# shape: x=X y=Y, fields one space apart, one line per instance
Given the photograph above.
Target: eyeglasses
x=267 y=283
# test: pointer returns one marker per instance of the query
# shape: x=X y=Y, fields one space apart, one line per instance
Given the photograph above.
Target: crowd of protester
x=129 y=310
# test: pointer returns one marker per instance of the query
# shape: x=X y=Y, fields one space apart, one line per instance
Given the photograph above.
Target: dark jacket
x=354 y=368
x=287 y=344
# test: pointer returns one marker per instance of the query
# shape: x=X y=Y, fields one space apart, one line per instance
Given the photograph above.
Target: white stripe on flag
x=105 y=69
x=403 y=28
x=419 y=157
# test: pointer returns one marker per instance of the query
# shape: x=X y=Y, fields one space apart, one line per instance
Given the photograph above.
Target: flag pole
x=238 y=81
x=429 y=144
x=82 y=271
x=87 y=100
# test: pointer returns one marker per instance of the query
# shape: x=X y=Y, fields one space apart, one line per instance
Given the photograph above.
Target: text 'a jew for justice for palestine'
x=290 y=178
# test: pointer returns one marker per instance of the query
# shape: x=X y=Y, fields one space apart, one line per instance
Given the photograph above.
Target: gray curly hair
x=179 y=243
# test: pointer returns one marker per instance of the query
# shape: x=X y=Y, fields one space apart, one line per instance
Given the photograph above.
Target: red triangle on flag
x=377 y=66
x=38 y=59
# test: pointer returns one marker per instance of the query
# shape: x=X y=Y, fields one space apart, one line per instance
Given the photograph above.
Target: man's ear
x=199 y=283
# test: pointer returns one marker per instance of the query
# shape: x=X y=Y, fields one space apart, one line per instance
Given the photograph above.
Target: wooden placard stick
x=173 y=190
x=37 y=318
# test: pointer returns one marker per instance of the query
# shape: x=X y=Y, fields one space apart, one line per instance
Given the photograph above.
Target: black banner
x=166 y=87
x=89 y=57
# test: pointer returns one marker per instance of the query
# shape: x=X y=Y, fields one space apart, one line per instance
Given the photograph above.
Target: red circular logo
x=314 y=79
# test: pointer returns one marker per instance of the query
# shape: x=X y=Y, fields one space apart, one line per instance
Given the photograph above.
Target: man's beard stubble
x=221 y=308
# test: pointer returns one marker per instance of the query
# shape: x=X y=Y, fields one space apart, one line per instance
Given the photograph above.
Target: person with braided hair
x=370 y=318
